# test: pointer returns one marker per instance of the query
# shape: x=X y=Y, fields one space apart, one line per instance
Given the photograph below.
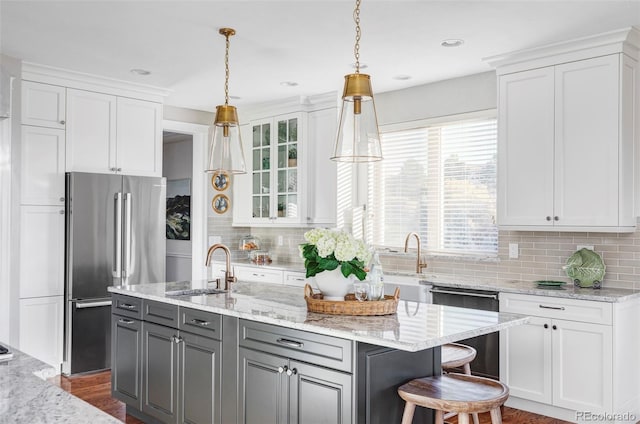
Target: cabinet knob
x=119 y=169
x=293 y=371
x=554 y=327
x=555 y=218
x=546 y=326
x=112 y=169
x=62 y=122
x=62 y=199
x=548 y=218
x=61 y=211
x=281 y=369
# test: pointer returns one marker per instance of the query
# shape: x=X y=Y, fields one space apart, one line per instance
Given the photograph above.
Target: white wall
x=9 y=190
x=177 y=163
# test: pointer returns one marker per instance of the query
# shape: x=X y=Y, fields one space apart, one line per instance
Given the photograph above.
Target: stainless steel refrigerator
x=115 y=235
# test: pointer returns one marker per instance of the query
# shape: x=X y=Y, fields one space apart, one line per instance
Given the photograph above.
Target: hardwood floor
x=96 y=390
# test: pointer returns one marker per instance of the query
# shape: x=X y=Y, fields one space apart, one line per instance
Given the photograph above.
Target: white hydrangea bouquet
x=327 y=250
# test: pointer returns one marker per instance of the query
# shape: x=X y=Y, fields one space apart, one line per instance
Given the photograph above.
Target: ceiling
x=305 y=41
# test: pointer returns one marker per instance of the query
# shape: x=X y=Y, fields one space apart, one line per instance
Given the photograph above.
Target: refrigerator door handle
x=93 y=304
x=117 y=235
x=126 y=247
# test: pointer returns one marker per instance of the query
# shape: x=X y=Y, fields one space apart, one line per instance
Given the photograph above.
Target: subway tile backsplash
x=541 y=254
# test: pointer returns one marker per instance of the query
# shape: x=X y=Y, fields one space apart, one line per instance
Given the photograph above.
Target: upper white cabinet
x=108 y=134
x=43 y=105
x=91 y=131
x=42 y=165
x=566 y=139
x=290 y=180
x=139 y=137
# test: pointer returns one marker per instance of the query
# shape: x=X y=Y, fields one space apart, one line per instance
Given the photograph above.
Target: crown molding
x=83 y=81
x=626 y=41
x=289 y=105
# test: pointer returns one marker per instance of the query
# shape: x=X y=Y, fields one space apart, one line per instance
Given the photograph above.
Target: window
x=438 y=180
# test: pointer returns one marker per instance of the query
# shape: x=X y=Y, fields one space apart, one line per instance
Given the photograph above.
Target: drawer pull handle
x=258 y=275
x=125 y=321
x=557 y=308
x=200 y=322
x=290 y=343
x=127 y=306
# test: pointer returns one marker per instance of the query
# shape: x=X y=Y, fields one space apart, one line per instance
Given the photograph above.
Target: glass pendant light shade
x=226 y=154
x=358 y=138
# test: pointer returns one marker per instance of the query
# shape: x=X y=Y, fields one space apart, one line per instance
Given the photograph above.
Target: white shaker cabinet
x=290 y=180
x=563 y=161
x=139 y=137
x=568 y=135
x=41 y=328
x=91 y=132
x=43 y=105
x=41 y=251
x=107 y=134
x=573 y=355
x=42 y=166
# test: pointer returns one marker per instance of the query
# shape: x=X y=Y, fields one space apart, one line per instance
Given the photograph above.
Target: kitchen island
x=256 y=355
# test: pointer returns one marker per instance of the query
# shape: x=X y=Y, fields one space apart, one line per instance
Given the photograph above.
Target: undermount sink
x=193 y=292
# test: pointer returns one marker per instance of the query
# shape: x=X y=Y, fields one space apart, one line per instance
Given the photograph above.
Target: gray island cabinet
x=255 y=355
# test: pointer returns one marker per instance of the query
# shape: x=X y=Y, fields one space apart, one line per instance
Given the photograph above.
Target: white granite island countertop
x=415 y=326
x=26 y=398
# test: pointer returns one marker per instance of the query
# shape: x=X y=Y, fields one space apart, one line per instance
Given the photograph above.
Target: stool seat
x=460 y=393
x=455 y=355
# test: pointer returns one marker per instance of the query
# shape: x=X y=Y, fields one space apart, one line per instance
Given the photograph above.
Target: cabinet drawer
x=293 y=278
x=160 y=313
x=203 y=323
x=558 y=308
x=317 y=349
x=259 y=275
x=126 y=306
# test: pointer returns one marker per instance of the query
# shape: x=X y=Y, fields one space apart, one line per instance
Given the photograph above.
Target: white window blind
x=439 y=181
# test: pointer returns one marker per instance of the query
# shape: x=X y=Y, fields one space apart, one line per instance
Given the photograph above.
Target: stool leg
x=496 y=417
x=407 y=415
x=463 y=418
x=466 y=368
x=439 y=417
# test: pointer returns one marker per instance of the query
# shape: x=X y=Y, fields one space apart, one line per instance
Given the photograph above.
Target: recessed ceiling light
x=362 y=66
x=452 y=42
x=288 y=83
x=402 y=77
x=139 y=71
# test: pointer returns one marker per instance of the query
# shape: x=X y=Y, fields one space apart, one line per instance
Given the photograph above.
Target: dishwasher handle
x=464 y=293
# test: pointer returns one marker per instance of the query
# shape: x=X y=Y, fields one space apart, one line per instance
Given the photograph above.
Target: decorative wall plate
x=220 y=181
x=220 y=203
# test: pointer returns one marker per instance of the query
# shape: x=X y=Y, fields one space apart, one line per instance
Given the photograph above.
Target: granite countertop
x=26 y=398
x=415 y=326
x=569 y=291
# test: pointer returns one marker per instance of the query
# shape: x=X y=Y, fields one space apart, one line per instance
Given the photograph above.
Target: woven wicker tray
x=350 y=306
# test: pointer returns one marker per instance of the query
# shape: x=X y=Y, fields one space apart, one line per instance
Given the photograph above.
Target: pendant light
x=358 y=137
x=225 y=146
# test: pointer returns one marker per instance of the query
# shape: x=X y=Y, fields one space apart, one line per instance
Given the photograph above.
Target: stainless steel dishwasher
x=487 y=361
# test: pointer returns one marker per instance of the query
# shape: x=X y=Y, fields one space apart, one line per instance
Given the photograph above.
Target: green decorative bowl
x=585 y=268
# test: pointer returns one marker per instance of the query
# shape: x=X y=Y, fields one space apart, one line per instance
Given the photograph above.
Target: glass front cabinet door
x=275 y=196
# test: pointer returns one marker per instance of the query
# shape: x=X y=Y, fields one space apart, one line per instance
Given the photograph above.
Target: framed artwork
x=220 y=181
x=220 y=203
x=179 y=209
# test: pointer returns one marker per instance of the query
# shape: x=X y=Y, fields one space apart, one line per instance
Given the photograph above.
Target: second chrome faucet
x=419 y=264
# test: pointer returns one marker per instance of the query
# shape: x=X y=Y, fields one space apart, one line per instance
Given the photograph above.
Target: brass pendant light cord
x=226 y=70
x=356 y=48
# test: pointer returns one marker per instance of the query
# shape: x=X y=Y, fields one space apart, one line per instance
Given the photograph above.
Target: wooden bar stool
x=456 y=355
x=459 y=393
